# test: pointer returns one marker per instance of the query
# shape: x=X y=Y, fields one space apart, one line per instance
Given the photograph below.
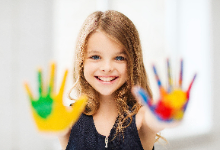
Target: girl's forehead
x=100 y=42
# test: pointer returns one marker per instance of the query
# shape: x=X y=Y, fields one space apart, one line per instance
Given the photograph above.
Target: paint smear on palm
x=173 y=101
x=48 y=111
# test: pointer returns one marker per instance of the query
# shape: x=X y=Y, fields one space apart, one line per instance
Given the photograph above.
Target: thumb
x=141 y=96
x=78 y=108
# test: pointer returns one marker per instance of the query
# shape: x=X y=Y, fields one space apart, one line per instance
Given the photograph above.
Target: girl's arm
x=146 y=134
x=63 y=139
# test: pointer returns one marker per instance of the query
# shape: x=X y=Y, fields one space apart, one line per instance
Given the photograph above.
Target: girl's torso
x=84 y=135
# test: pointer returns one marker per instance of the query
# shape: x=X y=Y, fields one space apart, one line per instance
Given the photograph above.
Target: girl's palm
x=170 y=108
x=48 y=111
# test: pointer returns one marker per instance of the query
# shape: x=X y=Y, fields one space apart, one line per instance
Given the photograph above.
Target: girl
x=108 y=63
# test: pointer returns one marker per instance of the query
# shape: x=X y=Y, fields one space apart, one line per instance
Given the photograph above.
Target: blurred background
x=33 y=33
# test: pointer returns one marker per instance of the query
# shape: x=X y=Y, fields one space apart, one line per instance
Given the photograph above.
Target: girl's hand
x=170 y=108
x=48 y=111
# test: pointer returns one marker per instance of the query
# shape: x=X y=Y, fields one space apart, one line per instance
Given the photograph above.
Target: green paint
x=42 y=105
x=40 y=88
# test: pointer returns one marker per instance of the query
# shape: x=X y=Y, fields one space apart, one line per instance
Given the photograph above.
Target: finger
x=40 y=82
x=52 y=72
x=63 y=83
x=162 y=90
x=181 y=74
x=190 y=86
x=157 y=77
x=169 y=76
x=185 y=106
x=78 y=108
x=140 y=94
x=30 y=95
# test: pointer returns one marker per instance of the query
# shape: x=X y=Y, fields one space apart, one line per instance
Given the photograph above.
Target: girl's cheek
x=124 y=67
x=89 y=66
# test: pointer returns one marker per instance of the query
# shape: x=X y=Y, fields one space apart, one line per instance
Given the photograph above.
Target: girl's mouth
x=106 y=79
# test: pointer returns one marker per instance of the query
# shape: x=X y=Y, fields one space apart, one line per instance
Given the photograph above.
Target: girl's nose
x=106 y=67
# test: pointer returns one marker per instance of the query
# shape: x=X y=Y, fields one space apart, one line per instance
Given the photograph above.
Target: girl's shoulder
x=139 y=118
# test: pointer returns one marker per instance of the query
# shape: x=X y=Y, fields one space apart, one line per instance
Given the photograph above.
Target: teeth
x=106 y=79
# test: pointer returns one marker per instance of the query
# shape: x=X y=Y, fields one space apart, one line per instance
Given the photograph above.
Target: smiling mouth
x=106 y=79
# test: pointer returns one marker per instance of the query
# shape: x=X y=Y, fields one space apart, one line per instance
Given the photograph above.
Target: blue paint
x=185 y=106
x=158 y=80
x=164 y=120
x=143 y=95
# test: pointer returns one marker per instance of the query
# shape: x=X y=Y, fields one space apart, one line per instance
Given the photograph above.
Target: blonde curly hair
x=121 y=29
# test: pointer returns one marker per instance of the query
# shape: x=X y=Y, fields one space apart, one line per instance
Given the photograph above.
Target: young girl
x=108 y=63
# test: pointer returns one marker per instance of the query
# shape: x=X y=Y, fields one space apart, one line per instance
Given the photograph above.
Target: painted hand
x=173 y=100
x=48 y=111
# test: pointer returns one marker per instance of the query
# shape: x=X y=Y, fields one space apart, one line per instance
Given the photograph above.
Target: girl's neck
x=108 y=106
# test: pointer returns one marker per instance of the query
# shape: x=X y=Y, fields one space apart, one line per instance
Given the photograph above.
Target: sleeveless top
x=84 y=136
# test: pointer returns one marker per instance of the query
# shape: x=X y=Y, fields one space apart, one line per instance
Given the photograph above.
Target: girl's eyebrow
x=122 y=52
x=94 y=51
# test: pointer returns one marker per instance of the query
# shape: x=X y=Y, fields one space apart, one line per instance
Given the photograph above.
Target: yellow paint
x=176 y=99
x=178 y=115
x=28 y=90
x=52 y=72
x=61 y=117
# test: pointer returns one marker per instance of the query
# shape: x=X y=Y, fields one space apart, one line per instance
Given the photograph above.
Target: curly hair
x=122 y=30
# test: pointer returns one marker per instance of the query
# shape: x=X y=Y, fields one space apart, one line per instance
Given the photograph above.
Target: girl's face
x=105 y=64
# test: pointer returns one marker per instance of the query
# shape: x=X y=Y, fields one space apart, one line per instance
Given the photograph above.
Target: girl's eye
x=95 y=57
x=120 y=58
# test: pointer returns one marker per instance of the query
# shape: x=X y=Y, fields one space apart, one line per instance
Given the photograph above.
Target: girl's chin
x=105 y=93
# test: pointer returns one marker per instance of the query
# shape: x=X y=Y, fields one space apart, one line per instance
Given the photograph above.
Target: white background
x=35 y=32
